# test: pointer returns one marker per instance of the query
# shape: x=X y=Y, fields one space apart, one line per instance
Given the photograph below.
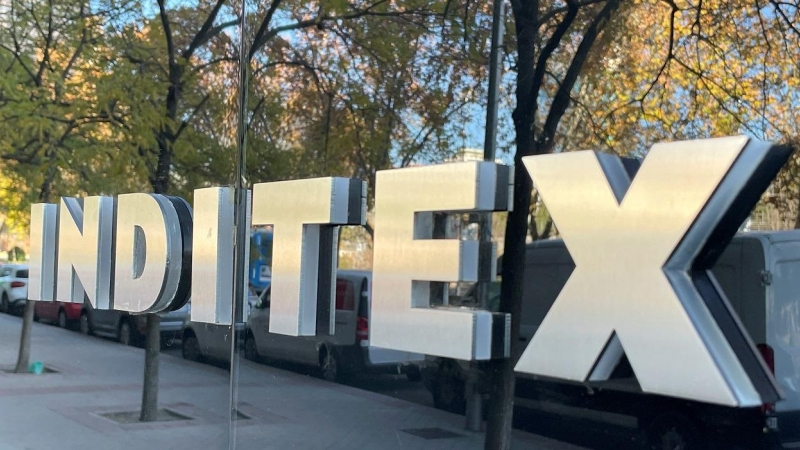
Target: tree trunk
x=160 y=182
x=24 y=355
x=501 y=371
x=526 y=19
x=797 y=213
x=166 y=135
x=152 y=344
x=150 y=386
x=160 y=179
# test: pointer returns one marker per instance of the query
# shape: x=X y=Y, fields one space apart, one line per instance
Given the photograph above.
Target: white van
x=760 y=274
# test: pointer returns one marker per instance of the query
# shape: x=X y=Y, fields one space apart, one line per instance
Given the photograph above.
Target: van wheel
x=125 y=333
x=4 y=304
x=84 y=326
x=250 y=348
x=329 y=364
x=62 y=319
x=673 y=431
x=190 y=347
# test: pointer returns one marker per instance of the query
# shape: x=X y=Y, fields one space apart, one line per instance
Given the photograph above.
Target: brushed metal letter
x=406 y=259
x=84 y=250
x=298 y=211
x=42 y=264
x=212 y=265
x=148 y=267
x=636 y=245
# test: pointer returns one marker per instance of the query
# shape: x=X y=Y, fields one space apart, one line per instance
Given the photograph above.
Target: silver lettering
x=407 y=260
x=299 y=211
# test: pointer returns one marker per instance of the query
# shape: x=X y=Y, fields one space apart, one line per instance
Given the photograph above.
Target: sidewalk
x=280 y=409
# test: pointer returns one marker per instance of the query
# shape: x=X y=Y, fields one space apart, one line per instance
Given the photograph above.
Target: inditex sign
x=642 y=247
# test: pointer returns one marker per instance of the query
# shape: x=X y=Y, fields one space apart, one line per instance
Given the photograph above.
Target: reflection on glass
x=106 y=97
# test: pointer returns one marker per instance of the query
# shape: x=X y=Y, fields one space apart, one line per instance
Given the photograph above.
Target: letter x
x=642 y=249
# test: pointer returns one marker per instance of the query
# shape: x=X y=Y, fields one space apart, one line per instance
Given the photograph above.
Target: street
x=91 y=399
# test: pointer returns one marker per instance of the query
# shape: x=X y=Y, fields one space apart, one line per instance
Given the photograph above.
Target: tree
x=383 y=89
x=548 y=65
x=713 y=68
x=144 y=99
x=176 y=59
x=51 y=120
x=660 y=70
x=159 y=65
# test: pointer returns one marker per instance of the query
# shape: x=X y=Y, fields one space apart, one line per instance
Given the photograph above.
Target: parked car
x=760 y=274
x=61 y=313
x=129 y=329
x=13 y=287
x=213 y=341
x=346 y=351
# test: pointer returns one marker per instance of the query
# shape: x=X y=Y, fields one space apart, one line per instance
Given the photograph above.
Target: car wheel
x=190 y=347
x=4 y=304
x=85 y=327
x=125 y=333
x=329 y=364
x=251 y=348
x=673 y=431
x=62 y=319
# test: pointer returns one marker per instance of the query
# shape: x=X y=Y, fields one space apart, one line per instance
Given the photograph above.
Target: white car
x=13 y=287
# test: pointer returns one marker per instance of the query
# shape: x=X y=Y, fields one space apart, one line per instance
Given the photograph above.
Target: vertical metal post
x=495 y=71
x=474 y=416
x=240 y=222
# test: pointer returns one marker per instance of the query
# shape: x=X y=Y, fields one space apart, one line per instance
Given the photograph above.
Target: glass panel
x=111 y=97
x=279 y=345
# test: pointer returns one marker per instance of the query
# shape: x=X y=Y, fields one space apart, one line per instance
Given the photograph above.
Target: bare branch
x=202 y=35
x=561 y=99
x=195 y=110
x=557 y=11
x=321 y=19
x=48 y=42
x=167 y=32
x=552 y=44
x=259 y=38
x=789 y=22
x=670 y=48
x=212 y=62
